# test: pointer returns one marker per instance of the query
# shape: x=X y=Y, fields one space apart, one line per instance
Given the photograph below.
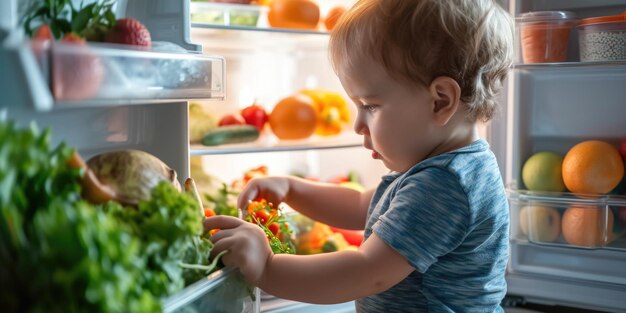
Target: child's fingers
x=221 y=222
x=223 y=233
x=220 y=246
x=248 y=194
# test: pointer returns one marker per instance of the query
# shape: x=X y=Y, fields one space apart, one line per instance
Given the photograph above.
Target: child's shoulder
x=472 y=170
x=465 y=159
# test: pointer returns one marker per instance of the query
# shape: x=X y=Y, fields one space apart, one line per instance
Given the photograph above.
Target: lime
x=543 y=172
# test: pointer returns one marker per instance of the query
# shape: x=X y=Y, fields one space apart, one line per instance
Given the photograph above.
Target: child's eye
x=369 y=107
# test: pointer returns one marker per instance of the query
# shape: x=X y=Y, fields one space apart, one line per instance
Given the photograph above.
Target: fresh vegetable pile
x=272 y=220
x=273 y=223
x=59 y=253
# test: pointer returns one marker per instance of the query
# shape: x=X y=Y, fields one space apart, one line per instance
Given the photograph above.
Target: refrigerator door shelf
x=222 y=291
x=107 y=75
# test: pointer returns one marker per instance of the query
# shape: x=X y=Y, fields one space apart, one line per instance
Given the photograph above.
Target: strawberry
x=77 y=72
x=130 y=32
x=43 y=33
x=41 y=42
x=73 y=38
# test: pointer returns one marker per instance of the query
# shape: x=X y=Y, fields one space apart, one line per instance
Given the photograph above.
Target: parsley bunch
x=59 y=253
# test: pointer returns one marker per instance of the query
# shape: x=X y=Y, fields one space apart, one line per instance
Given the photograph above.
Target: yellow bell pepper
x=332 y=111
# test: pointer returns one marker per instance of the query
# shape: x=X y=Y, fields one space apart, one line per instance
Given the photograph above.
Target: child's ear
x=446 y=93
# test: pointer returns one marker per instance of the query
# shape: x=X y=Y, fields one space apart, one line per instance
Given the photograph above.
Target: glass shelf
x=275 y=30
x=246 y=17
x=95 y=74
x=553 y=66
x=269 y=143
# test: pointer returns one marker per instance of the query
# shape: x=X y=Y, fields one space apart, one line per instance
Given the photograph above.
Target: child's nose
x=359 y=125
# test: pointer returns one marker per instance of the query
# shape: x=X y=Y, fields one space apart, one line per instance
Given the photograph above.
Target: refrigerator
x=554 y=106
x=118 y=97
x=226 y=65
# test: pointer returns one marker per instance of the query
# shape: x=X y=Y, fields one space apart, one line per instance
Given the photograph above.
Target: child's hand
x=274 y=189
x=246 y=244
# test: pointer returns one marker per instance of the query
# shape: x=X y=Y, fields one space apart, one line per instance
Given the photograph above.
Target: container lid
x=604 y=19
x=546 y=16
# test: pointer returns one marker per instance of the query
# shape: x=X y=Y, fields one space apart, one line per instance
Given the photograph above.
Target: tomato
x=262 y=215
x=256 y=205
x=213 y=231
x=208 y=212
x=231 y=119
x=255 y=115
x=274 y=228
x=622 y=149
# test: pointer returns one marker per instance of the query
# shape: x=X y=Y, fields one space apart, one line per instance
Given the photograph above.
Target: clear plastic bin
x=226 y=14
x=85 y=74
x=569 y=220
x=222 y=291
x=603 y=38
x=544 y=35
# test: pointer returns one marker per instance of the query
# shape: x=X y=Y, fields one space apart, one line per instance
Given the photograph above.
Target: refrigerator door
x=100 y=98
x=552 y=107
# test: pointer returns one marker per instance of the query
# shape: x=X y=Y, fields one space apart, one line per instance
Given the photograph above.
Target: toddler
x=422 y=74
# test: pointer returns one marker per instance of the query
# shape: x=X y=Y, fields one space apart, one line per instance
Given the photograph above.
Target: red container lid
x=604 y=19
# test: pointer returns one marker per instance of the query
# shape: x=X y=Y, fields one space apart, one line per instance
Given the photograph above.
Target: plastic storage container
x=226 y=14
x=105 y=73
x=545 y=35
x=603 y=38
x=569 y=220
x=222 y=291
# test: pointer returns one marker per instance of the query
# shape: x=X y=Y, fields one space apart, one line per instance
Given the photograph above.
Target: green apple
x=540 y=223
x=542 y=172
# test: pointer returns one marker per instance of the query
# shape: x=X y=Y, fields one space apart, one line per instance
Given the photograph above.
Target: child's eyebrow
x=364 y=97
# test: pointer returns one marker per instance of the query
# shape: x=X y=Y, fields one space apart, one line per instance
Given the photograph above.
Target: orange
x=587 y=226
x=593 y=167
x=293 y=117
x=333 y=16
x=300 y=14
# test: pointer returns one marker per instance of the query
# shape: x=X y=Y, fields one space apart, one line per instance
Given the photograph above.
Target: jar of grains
x=603 y=38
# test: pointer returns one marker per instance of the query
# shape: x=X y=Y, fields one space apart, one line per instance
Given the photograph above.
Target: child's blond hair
x=470 y=41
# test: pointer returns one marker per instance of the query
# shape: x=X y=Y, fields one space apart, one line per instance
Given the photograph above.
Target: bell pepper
x=332 y=111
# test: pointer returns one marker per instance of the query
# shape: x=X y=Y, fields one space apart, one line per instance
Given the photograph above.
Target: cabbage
x=131 y=174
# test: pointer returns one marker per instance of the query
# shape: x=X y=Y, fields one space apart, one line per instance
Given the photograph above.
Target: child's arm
x=331 y=204
x=324 y=278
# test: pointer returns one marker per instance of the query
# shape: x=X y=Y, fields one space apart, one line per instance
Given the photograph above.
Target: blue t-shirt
x=448 y=216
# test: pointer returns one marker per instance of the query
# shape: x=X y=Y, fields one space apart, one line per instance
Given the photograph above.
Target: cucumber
x=230 y=134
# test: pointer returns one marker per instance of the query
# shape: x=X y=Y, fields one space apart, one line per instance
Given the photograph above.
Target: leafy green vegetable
x=59 y=253
x=221 y=201
x=91 y=21
x=276 y=244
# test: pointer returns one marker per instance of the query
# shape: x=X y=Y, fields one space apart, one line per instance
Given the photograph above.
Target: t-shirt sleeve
x=428 y=217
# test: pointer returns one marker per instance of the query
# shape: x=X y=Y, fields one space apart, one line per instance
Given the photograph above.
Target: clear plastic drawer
x=108 y=74
x=222 y=291
x=568 y=220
